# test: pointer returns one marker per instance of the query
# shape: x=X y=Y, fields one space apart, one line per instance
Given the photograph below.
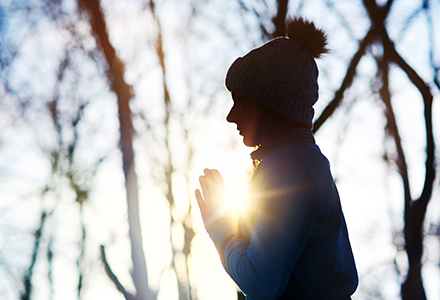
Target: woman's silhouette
x=292 y=243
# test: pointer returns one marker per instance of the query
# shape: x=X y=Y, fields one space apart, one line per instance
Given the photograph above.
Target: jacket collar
x=299 y=134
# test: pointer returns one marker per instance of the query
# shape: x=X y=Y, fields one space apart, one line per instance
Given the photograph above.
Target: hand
x=214 y=192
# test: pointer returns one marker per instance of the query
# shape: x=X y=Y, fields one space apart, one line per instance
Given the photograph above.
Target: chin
x=248 y=143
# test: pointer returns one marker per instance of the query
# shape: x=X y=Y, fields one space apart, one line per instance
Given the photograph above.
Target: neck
x=299 y=134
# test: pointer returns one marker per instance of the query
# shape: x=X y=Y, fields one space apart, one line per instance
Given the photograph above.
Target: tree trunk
x=415 y=210
x=279 y=21
x=123 y=92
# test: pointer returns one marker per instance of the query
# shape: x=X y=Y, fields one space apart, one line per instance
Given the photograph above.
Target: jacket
x=293 y=242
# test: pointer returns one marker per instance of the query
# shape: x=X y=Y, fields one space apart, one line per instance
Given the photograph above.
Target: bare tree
x=415 y=209
x=64 y=165
x=56 y=119
x=124 y=95
x=185 y=291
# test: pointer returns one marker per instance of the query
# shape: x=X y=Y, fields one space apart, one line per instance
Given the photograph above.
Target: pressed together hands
x=214 y=192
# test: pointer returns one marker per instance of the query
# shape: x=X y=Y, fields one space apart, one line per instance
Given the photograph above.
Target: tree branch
x=27 y=280
x=384 y=92
x=427 y=100
x=346 y=83
x=113 y=277
x=279 y=21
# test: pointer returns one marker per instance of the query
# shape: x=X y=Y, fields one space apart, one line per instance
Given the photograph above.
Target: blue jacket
x=293 y=242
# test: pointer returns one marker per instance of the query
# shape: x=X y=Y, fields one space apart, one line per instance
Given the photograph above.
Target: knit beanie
x=282 y=74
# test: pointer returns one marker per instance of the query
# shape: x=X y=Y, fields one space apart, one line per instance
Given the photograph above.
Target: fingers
x=199 y=198
x=212 y=192
x=209 y=181
x=217 y=177
x=201 y=203
x=214 y=181
x=205 y=188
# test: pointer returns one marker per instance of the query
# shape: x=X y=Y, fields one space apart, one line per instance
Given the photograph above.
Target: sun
x=235 y=169
x=236 y=199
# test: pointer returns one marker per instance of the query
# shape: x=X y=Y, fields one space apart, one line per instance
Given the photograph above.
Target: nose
x=232 y=117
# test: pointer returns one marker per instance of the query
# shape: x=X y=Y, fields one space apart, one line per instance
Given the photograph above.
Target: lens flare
x=236 y=200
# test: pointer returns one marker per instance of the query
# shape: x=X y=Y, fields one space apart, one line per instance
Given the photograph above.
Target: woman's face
x=245 y=113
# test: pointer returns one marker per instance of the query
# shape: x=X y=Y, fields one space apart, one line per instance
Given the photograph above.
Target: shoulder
x=284 y=184
x=302 y=163
x=283 y=167
x=286 y=159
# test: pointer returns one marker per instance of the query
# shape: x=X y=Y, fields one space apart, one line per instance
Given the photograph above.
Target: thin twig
x=113 y=277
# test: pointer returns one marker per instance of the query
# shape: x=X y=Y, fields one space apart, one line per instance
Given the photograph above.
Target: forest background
x=110 y=110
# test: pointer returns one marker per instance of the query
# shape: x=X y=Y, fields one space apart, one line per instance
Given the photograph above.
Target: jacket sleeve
x=287 y=210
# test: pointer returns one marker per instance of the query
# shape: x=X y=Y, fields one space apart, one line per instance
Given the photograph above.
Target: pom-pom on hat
x=282 y=74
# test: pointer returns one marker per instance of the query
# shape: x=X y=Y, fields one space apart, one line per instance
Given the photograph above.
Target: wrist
x=214 y=216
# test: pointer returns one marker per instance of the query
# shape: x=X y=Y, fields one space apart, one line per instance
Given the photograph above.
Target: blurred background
x=110 y=110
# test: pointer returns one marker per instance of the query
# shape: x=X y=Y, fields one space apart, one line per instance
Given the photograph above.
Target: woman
x=293 y=242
